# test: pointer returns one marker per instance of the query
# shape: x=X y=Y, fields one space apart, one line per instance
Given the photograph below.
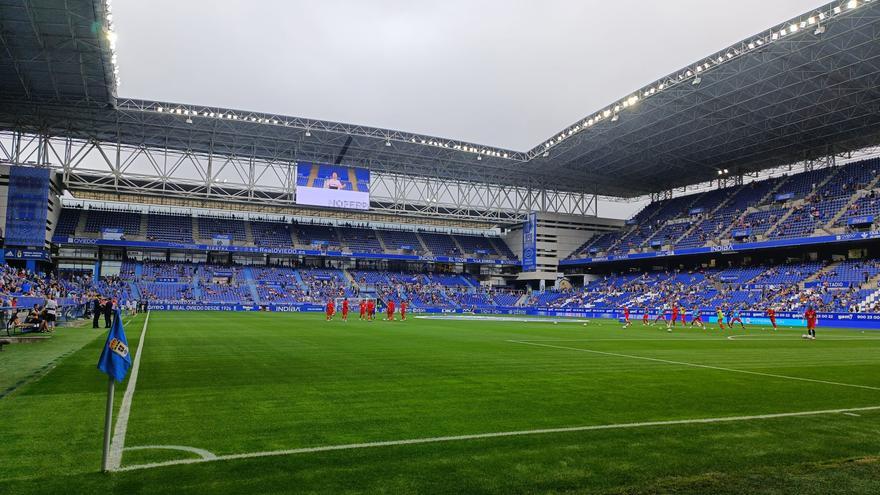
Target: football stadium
x=202 y=299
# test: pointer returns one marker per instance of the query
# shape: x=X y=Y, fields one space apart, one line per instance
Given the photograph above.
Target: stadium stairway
x=248 y=235
x=80 y=224
x=458 y=245
x=794 y=204
x=135 y=290
x=855 y=197
x=523 y=299
x=142 y=230
x=748 y=210
x=422 y=244
x=350 y=278
x=825 y=269
x=251 y=284
x=790 y=207
x=195 y=229
x=467 y=282
x=709 y=215
x=197 y=287
x=300 y=281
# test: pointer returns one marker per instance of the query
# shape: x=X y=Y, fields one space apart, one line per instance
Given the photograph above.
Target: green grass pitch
x=577 y=409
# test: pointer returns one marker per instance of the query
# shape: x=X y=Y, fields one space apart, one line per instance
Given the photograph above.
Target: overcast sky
x=504 y=73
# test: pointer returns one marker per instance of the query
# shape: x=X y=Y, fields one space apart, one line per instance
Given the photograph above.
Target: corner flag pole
x=108 y=425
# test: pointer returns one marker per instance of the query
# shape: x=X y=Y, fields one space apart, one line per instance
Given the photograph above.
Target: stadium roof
x=805 y=89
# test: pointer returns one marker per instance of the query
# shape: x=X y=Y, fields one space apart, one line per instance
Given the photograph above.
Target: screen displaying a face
x=332 y=186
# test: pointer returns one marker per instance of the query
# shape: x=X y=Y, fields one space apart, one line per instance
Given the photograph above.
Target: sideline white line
x=710 y=338
x=694 y=365
x=117 y=444
x=479 y=436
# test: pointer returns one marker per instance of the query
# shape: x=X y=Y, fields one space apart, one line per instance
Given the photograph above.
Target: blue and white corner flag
x=115 y=360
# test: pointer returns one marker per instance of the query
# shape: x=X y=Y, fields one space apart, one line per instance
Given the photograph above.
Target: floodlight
x=189 y=120
x=697 y=80
x=615 y=118
x=387 y=143
x=308 y=133
x=159 y=109
x=720 y=172
x=852 y=4
x=819 y=30
x=726 y=171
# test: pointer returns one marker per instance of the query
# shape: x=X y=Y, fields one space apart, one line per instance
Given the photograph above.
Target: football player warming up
x=771 y=313
x=345 y=309
x=330 y=309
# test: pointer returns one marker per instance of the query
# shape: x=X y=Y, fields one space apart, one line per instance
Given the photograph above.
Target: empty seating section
x=169 y=228
x=440 y=244
x=67 y=222
x=758 y=222
x=798 y=205
x=805 y=218
x=401 y=239
x=166 y=292
x=359 y=240
x=479 y=246
x=502 y=248
x=850 y=272
x=787 y=274
x=210 y=227
x=129 y=222
x=271 y=234
x=670 y=233
x=308 y=235
x=802 y=184
x=866 y=205
x=181 y=271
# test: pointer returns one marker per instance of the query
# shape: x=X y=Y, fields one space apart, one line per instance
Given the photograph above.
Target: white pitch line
x=851 y=414
x=117 y=444
x=480 y=436
x=694 y=365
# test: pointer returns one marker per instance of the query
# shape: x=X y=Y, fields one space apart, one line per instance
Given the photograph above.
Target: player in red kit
x=626 y=317
x=645 y=317
x=330 y=309
x=811 y=317
x=683 y=316
x=674 y=313
x=363 y=308
x=345 y=309
x=771 y=313
x=402 y=310
x=371 y=309
x=390 y=309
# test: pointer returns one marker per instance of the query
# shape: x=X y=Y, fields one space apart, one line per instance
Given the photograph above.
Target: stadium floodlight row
x=683 y=133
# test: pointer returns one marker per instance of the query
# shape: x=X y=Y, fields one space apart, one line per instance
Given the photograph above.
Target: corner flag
x=115 y=360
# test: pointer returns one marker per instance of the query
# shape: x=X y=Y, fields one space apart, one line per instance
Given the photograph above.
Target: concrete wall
x=557 y=237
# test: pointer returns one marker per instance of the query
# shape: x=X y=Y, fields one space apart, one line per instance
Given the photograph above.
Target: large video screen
x=332 y=186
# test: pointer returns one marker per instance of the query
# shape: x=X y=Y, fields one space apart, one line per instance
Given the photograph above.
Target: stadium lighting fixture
x=820 y=29
x=546 y=154
x=159 y=109
x=479 y=158
x=308 y=133
x=793 y=28
x=837 y=10
x=852 y=4
x=387 y=143
x=720 y=172
x=726 y=171
x=189 y=120
x=615 y=118
x=697 y=80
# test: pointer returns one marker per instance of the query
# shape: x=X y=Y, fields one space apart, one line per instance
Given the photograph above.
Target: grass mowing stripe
x=117 y=444
x=695 y=365
x=478 y=436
